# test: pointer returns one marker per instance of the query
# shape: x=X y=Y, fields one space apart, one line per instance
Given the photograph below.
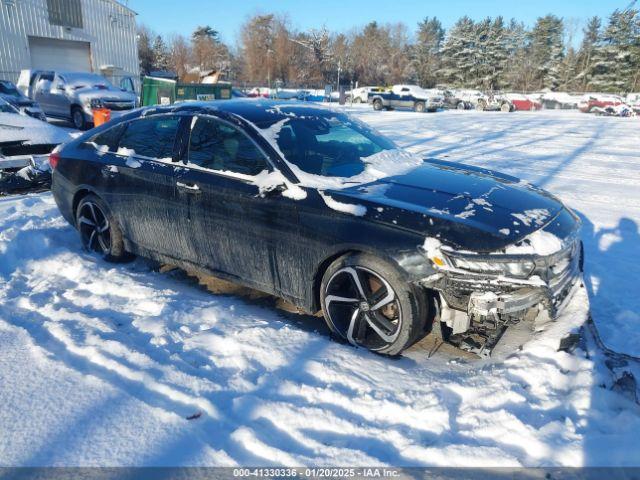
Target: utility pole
x=269 y=52
x=338 y=89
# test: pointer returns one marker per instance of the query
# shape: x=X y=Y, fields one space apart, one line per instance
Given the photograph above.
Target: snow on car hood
x=480 y=210
x=14 y=127
x=104 y=94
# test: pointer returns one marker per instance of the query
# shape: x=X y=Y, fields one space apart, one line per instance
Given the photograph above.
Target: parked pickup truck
x=406 y=96
x=73 y=95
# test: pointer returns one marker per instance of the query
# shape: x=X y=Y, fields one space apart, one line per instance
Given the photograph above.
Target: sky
x=226 y=16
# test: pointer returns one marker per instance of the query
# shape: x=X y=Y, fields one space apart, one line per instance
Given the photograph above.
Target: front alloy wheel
x=367 y=303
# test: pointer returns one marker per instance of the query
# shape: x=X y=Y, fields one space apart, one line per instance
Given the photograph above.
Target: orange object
x=100 y=116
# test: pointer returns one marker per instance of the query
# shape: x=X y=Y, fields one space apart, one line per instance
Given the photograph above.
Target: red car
x=592 y=100
x=523 y=102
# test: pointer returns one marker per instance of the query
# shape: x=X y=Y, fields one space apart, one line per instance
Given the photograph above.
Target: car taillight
x=54 y=158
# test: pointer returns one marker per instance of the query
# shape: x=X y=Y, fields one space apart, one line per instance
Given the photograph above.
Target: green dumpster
x=162 y=91
x=203 y=91
x=158 y=91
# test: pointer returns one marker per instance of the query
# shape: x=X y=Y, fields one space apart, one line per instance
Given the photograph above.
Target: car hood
x=105 y=94
x=467 y=207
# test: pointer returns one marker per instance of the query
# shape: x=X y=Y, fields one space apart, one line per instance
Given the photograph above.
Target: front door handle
x=188 y=187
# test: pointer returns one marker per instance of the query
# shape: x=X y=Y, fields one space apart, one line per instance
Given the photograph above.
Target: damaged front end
x=484 y=294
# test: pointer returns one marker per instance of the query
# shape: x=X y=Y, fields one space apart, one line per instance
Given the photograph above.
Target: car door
x=406 y=97
x=42 y=85
x=59 y=103
x=141 y=179
x=237 y=229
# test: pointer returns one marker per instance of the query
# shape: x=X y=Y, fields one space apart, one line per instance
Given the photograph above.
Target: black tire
x=505 y=107
x=367 y=302
x=480 y=106
x=419 y=107
x=461 y=106
x=77 y=118
x=99 y=231
x=377 y=104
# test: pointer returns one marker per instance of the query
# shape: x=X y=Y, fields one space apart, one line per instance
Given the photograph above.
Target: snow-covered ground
x=105 y=364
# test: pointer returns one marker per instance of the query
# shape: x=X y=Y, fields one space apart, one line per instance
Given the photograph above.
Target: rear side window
x=109 y=137
x=151 y=137
x=219 y=146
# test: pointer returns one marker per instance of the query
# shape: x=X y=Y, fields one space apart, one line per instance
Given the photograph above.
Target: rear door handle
x=188 y=187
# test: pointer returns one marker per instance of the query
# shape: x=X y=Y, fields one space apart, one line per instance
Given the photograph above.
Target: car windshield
x=84 y=80
x=330 y=146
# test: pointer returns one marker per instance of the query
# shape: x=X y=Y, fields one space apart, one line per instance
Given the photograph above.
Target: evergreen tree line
x=490 y=54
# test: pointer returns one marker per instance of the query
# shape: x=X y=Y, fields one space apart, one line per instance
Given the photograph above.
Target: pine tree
x=459 y=54
x=145 y=52
x=586 y=52
x=616 y=61
x=161 y=55
x=518 y=74
x=425 y=53
x=491 y=53
x=547 y=49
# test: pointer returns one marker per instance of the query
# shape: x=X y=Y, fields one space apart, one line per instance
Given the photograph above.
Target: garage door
x=60 y=55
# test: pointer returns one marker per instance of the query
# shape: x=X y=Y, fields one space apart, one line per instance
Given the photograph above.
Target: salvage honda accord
x=311 y=205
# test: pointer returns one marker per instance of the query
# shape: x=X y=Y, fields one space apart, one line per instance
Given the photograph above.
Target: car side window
x=109 y=137
x=216 y=145
x=151 y=137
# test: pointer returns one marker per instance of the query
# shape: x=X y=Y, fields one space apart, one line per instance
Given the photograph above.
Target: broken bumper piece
x=24 y=172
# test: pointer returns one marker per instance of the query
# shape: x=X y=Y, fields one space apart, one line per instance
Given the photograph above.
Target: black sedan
x=313 y=206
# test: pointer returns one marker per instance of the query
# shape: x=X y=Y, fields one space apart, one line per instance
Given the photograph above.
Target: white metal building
x=68 y=35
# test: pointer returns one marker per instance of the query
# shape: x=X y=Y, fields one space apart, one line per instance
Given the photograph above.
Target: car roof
x=255 y=111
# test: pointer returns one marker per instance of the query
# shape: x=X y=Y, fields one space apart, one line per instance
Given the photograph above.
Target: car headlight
x=498 y=266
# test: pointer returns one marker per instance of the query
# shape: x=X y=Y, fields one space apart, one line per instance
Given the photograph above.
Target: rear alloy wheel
x=419 y=107
x=366 y=302
x=377 y=104
x=98 y=230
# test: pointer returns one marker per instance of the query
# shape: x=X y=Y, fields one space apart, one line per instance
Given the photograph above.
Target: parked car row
x=421 y=99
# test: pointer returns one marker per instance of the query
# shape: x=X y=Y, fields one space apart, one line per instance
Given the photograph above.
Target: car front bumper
x=481 y=296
